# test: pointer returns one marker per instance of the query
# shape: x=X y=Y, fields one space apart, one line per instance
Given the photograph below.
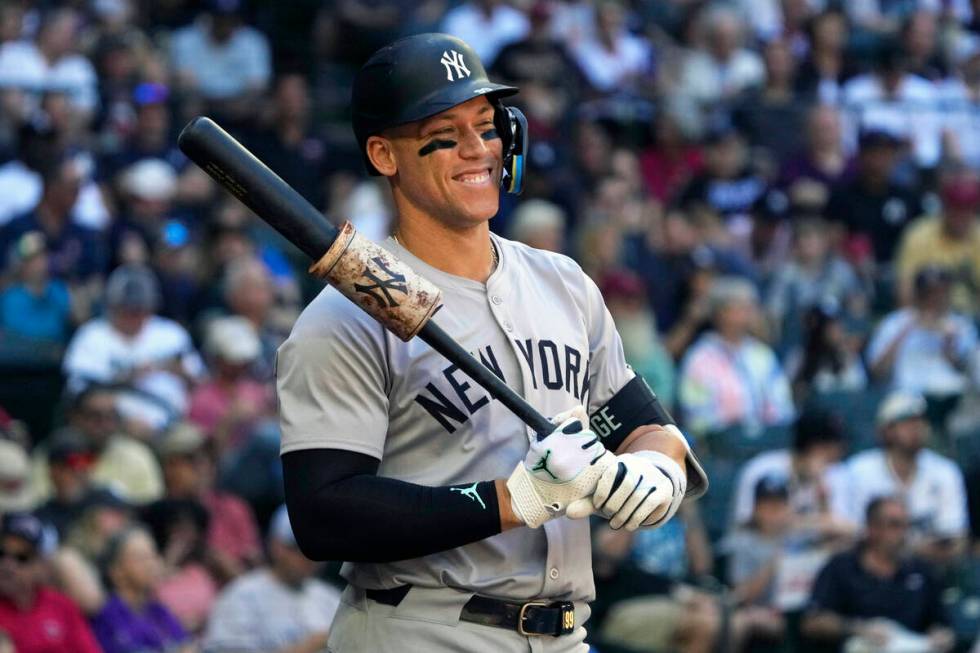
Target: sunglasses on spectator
x=22 y=557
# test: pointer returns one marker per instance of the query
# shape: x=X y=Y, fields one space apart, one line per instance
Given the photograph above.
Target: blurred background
x=779 y=200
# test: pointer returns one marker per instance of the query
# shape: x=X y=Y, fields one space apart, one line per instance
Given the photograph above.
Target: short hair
x=817 y=426
x=533 y=215
x=79 y=399
x=114 y=548
x=726 y=290
x=239 y=271
x=876 y=505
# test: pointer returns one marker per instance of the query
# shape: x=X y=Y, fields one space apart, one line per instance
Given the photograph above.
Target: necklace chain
x=493 y=251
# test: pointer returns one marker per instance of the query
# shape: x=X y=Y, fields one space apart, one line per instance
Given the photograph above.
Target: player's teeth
x=471 y=179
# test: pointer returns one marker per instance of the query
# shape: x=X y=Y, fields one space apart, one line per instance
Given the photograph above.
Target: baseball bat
x=367 y=274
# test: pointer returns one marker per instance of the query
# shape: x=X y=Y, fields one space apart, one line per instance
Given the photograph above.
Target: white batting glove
x=639 y=490
x=562 y=467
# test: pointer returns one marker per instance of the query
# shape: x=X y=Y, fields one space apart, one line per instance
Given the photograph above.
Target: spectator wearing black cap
x=872 y=208
x=70 y=462
x=828 y=359
x=950 y=239
x=926 y=347
x=930 y=485
x=238 y=60
x=818 y=443
x=755 y=552
x=133 y=346
x=37 y=619
x=877 y=594
x=34 y=306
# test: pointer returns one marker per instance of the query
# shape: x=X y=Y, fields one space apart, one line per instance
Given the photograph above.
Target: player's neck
x=461 y=252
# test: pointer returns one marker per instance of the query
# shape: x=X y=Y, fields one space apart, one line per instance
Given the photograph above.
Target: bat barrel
x=256 y=186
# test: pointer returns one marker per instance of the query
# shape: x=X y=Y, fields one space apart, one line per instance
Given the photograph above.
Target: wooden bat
x=366 y=273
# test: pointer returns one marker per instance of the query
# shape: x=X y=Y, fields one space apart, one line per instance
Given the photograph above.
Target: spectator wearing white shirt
x=487 y=26
x=219 y=57
x=612 y=59
x=818 y=443
x=930 y=484
x=132 y=346
x=277 y=608
x=52 y=63
x=925 y=347
x=725 y=68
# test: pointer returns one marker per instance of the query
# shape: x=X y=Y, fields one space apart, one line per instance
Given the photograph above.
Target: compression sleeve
x=341 y=510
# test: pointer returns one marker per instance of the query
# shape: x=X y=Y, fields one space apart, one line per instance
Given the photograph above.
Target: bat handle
x=439 y=340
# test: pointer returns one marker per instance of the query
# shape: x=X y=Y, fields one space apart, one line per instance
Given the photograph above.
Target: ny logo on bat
x=381 y=289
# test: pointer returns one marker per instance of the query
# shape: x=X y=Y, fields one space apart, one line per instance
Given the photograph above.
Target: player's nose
x=472 y=145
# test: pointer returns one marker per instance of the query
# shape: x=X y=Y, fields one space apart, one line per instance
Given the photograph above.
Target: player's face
x=450 y=165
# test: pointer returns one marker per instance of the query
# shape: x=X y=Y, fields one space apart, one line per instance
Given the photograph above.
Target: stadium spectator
x=671 y=160
x=930 y=484
x=728 y=377
x=724 y=67
x=147 y=192
x=828 y=359
x=872 y=208
x=950 y=240
x=188 y=586
x=279 y=607
x=249 y=293
x=70 y=462
x=809 y=175
x=120 y=463
x=925 y=347
x=818 y=443
x=189 y=473
x=75 y=253
x=876 y=594
x=813 y=274
x=486 y=25
x=34 y=306
x=151 y=136
x=822 y=73
x=133 y=619
x=612 y=59
x=35 y=617
x=239 y=66
x=539 y=224
x=920 y=44
x=755 y=552
x=15 y=488
x=132 y=346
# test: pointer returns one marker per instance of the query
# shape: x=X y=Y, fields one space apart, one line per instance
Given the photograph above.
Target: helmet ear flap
x=511 y=125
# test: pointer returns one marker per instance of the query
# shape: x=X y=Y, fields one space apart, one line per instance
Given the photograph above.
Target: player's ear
x=381 y=154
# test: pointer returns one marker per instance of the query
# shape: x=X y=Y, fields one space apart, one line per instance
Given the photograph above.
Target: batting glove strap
x=674 y=474
x=536 y=501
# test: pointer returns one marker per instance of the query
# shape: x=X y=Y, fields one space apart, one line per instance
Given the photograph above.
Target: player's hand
x=562 y=467
x=639 y=490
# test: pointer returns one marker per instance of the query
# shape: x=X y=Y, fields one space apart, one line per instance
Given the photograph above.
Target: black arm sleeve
x=341 y=510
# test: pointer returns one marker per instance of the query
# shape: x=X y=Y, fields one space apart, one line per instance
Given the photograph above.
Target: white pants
x=427 y=621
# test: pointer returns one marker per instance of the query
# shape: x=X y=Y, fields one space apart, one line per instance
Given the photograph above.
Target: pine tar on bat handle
x=367 y=274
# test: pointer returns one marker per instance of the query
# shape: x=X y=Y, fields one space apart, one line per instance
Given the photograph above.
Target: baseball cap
x=25 y=526
x=67 y=446
x=224 y=7
x=900 y=405
x=149 y=93
x=622 y=284
x=961 y=192
x=280 y=528
x=150 y=179
x=413 y=78
x=15 y=490
x=233 y=339
x=134 y=287
x=771 y=486
x=180 y=440
x=871 y=137
x=817 y=426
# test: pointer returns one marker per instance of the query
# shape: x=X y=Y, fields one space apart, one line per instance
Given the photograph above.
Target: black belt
x=532 y=618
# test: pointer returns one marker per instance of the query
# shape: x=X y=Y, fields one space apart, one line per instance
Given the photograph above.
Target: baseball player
x=454 y=519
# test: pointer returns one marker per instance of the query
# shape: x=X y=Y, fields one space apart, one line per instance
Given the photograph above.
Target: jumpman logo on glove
x=471 y=493
x=542 y=465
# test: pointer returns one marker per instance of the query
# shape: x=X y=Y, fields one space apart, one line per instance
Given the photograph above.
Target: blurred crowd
x=779 y=199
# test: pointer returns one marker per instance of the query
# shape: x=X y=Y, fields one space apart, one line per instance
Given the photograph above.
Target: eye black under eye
x=436 y=144
x=489 y=135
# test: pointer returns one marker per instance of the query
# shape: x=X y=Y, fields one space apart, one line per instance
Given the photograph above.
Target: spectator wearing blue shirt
x=34 y=306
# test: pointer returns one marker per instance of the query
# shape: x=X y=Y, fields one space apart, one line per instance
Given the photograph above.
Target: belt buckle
x=523 y=615
x=567 y=617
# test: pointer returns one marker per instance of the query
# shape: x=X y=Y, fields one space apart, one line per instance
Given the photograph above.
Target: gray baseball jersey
x=540 y=323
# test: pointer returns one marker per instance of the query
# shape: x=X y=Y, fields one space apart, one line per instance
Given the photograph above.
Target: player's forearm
x=343 y=511
x=655 y=438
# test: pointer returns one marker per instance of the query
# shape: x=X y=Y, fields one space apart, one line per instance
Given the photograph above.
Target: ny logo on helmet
x=453 y=60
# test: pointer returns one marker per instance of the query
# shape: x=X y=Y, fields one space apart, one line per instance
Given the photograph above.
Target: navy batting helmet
x=417 y=77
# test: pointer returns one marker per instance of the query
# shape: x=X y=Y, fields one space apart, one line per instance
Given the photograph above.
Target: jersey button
x=553 y=573
x=508 y=326
x=497 y=300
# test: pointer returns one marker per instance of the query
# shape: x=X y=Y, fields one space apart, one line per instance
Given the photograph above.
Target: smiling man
x=452 y=518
